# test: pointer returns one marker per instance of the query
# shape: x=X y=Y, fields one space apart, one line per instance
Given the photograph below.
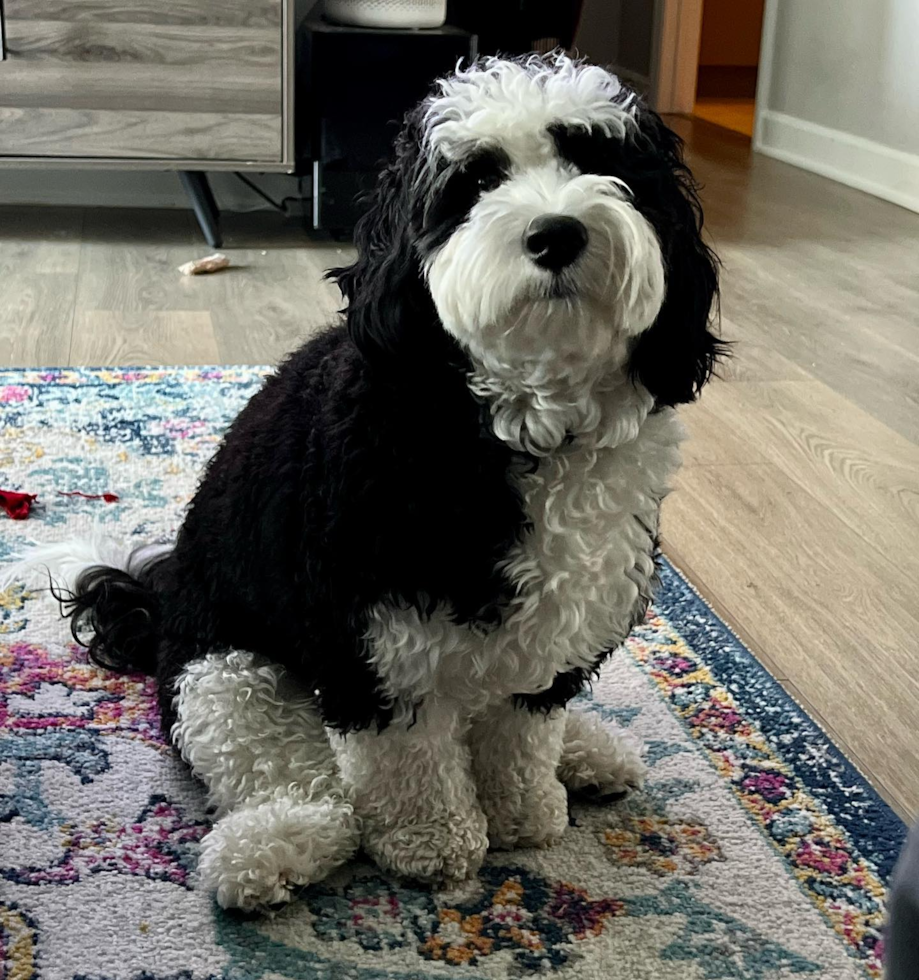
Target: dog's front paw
x=598 y=761
x=259 y=856
x=527 y=814
x=443 y=851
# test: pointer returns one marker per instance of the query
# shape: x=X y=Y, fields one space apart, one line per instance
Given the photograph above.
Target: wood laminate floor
x=797 y=512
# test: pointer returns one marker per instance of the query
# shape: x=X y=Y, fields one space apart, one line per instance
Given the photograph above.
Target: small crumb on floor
x=210 y=263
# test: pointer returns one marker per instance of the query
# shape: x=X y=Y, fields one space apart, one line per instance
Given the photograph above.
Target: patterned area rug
x=756 y=850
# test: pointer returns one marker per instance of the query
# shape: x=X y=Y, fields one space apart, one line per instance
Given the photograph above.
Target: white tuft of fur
x=257 y=741
x=597 y=757
x=62 y=562
x=535 y=415
x=514 y=103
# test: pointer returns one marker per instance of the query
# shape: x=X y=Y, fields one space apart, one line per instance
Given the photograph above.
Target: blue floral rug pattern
x=756 y=851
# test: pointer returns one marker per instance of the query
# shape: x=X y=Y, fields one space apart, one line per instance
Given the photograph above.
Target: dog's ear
x=389 y=309
x=676 y=356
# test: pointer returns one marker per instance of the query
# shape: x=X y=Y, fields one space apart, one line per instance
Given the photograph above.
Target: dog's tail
x=107 y=589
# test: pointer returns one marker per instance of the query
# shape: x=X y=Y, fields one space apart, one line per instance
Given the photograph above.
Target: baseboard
x=868 y=166
x=134 y=189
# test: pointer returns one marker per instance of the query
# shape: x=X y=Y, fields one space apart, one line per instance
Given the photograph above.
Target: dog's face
x=539 y=214
x=532 y=252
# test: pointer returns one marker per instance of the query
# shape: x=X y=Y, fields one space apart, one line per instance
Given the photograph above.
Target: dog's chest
x=580 y=574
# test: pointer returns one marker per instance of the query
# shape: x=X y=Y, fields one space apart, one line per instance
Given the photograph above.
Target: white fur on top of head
x=510 y=101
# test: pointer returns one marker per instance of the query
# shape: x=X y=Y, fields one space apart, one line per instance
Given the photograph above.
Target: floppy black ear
x=676 y=356
x=389 y=309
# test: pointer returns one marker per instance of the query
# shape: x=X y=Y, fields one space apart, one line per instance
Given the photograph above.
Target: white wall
x=839 y=92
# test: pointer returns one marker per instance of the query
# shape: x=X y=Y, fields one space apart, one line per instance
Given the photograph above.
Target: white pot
x=387 y=13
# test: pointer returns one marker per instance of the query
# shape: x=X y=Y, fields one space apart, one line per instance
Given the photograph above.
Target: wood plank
x=821 y=273
x=37 y=44
x=132 y=266
x=36 y=317
x=108 y=338
x=40 y=240
x=712 y=439
x=684 y=565
x=113 y=229
x=223 y=88
x=270 y=312
x=830 y=305
x=849 y=354
x=111 y=79
x=84 y=132
x=749 y=361
x=283 y=166
x=812 y=593
x=863 y=472
x=229 y=13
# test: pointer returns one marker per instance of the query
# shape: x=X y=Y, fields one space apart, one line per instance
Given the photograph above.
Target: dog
x=422 y=537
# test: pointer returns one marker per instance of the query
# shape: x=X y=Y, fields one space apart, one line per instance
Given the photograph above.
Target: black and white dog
x=421 y=538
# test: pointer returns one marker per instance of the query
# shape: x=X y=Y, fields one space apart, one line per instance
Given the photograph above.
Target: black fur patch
x=456 y=189
x=121 y=614
x=337 y=488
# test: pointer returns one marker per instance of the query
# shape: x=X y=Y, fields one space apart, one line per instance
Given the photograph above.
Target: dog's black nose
x=554 y=241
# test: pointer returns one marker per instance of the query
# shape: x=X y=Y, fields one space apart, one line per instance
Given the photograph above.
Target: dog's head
x=541 y=216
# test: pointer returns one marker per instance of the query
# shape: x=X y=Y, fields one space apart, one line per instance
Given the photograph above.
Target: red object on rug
x=109 y=498
x=17 y=505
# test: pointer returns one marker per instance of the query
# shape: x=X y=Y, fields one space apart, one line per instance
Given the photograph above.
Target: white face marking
x=516 y=318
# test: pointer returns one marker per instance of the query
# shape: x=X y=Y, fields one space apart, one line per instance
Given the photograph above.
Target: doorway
x=728 y=63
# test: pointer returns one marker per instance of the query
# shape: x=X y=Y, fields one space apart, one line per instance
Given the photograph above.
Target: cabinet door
x=181 y=80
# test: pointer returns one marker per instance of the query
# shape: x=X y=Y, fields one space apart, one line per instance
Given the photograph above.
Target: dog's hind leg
x=597 y=760
x=257 y=741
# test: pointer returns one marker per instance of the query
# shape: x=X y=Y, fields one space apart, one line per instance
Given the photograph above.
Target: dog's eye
x=488 y=181
x=458 y=189
x=594 y=152
x=486 y=170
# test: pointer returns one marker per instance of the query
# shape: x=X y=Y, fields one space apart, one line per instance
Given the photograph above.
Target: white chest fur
x=580 y=574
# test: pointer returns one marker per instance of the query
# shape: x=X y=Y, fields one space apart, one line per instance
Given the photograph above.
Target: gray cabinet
x=152 y=84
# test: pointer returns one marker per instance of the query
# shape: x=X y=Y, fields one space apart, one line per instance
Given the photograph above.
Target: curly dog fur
x=424 y=534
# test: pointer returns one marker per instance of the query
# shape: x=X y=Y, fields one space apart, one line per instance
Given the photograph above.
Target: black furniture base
x=202 y=200
x=354 y=86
